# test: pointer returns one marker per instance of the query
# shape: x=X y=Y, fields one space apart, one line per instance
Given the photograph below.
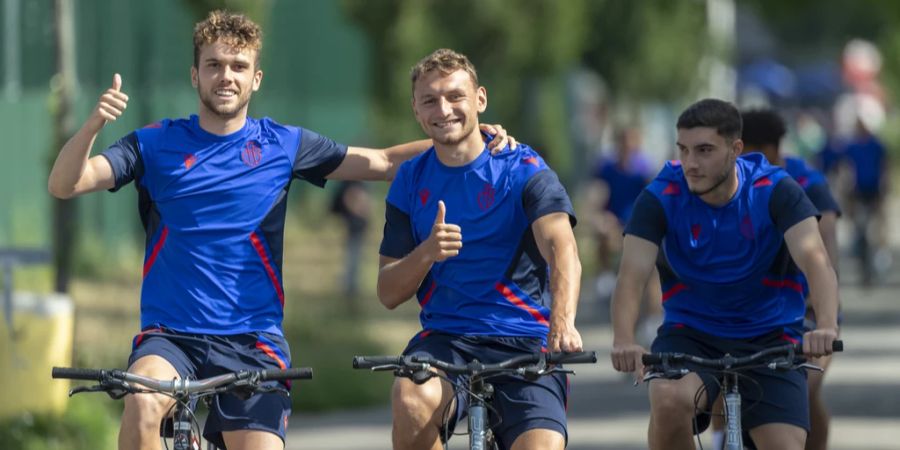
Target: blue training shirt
x=213 y=208
x=499 y=283
x=726 y=270
x=814 y=184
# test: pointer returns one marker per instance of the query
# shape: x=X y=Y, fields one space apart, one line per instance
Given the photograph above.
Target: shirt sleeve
x=544 y=195
x=317 y=157
x=820 y=196
x=124 y=157
x=398 y=240
x=789 y=205
x=648 y=220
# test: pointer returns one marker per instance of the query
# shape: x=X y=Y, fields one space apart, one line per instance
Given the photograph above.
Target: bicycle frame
x=480 y=434
x=734 y=436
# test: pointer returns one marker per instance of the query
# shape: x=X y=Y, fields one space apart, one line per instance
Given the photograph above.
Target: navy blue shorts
x=519 y=405
x=767 y=397
x=197 y=356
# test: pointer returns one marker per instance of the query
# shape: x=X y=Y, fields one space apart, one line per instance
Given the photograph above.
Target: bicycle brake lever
x=80 y=389
x=809 y=366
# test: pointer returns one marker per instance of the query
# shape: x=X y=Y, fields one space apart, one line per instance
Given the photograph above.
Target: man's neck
x=722 y=194
x=462 y=153
x=218 y=125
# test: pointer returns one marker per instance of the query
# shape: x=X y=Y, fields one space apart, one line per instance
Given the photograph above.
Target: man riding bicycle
x=212 y=197
x=486 y=244
x=735 y=235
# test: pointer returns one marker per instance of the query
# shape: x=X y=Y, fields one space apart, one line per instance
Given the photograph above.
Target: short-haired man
x=486 y=244
x=213 y=190
x=763 y=132
x=733 y=232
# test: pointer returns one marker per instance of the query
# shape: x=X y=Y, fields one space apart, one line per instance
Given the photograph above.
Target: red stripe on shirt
x=268 y=351
x=428 y=294
x=783 y=284
x=515 y=300
x=673 y=291
x=140 y=337
x=261 y=250
x=156 y=248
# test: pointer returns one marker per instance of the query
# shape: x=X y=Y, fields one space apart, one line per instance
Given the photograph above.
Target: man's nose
x=444 y=106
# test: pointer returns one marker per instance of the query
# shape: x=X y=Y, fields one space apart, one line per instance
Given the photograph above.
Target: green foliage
x=86 y=424
x=328 y=347
x=516 y=46
x=649 y=49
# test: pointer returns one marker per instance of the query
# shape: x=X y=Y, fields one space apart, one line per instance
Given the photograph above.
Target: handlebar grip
x=589 y=357
x=368 y=362
x=74 y=373
x=294 y=373
x=836 y=346
x=651 y=359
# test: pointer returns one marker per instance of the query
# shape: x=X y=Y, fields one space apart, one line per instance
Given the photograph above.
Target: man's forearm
x=397 y=154
x=399 y=280
x=823 y=295
x=72 y=160
x=565 y=284
x=625 y=308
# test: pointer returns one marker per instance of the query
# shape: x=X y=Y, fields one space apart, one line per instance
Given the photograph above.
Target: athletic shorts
x=518 y=405
x=767 y=396
x=197 y=356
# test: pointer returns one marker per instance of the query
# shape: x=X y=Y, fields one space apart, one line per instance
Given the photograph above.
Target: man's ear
x=738 y=147
x=257 y=80
x=481 y=95
x=194 y=76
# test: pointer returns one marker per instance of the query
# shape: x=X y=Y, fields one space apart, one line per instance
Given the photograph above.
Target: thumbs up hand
x=112 y=103
x=445 y=239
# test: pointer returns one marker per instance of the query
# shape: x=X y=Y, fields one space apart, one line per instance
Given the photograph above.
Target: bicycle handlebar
x=75 y=373
x=120 y=378
x=731 y=362
x=417 y=362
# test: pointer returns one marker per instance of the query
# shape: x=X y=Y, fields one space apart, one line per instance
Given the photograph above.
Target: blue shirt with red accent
x=813 y=183
x=213 y=208
x=498 y=285
x=726 y=270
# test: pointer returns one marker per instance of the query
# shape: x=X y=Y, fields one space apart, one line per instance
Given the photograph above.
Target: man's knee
x=415 y=404
x=673 y=398
x=145 y=411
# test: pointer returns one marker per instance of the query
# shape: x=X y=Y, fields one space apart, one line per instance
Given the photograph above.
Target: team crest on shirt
x=423 y=196
x=189 y=161
x=251 y=154
x=486 y=197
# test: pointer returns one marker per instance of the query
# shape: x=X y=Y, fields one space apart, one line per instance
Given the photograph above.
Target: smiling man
x=735 y=234
x=213 y=195
x=486 y=244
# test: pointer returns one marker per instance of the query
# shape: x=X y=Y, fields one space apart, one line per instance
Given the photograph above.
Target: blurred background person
x=353 y=205
x=617 y=180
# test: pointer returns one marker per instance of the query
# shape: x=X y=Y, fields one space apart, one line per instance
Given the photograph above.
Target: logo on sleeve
x=189 y=161
x=251 y=155
x=423 y=196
